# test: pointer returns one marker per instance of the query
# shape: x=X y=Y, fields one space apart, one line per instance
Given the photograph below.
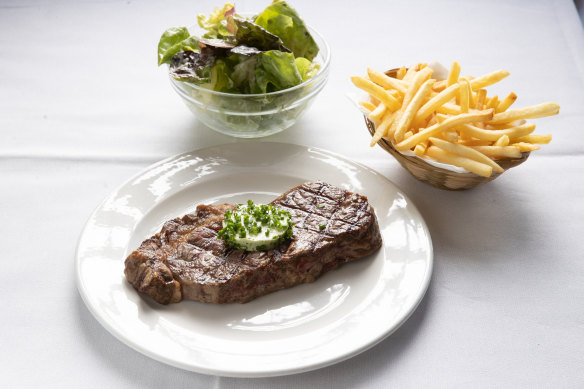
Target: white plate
x=306 y=327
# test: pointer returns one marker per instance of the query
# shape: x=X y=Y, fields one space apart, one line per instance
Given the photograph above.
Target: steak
x=186 y=260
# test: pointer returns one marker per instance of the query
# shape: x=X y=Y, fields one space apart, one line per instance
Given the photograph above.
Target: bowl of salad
x=247 y=76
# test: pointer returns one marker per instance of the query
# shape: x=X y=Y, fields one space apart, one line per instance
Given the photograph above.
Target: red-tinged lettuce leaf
x=214 y=48
x=250 y=34
x=191 y=66
x=215 y=43
x=244 y=50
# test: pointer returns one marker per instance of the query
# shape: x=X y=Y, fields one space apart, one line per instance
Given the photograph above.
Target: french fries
x=436 y=102
x=453 y=159
x=494 y=135
x=387 y=82
x=376 y=91
x=453 y=74
x=369 y=106
x=452 y=121
x=408 y=115
x=377 y=113
x=436 y=129
x=466 y=151
x=506 y=102
x=464 y=92
x=536 y=111
x=488 y=79
x=499 y=151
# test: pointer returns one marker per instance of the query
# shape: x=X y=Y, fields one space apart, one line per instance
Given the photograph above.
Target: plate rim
x=425 y=282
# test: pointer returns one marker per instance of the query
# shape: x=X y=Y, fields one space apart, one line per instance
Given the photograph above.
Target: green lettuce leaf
x=274 y=71
x=220 y=80
x=306 y=68
x=243 y=71
x=215 y=24
x=172 y=41
x=282 y=20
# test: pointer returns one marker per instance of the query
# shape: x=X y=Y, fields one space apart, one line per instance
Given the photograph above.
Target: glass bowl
x=255 y=115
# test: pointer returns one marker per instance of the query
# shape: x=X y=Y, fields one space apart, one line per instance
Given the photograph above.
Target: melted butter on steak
x=186 y=261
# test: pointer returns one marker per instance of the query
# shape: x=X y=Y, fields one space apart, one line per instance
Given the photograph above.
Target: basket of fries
x=448 y=133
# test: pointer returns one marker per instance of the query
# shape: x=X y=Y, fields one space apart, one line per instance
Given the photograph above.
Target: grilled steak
x=186 y=261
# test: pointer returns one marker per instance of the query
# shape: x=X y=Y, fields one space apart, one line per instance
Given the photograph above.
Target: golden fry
x=412 y=107
x=376 y=115
x=451 y=109
x=467 y=152
x=506 y=102
x=432 y=105
x=453 y=74
x=451 y=136
x=367 y=105
x=377 y=91
x=445 y=125
x=502 y=141
x=441 y=117
x=488 y=79
x=381 y=130
x=471 y=165
x=539 y=139
x=472 y=98
x=493 y=102
x=439 y=86
x=409 y=76
x=393 y=93
x=464 y=95
x=401 y=73
x=420 y=148
x=417 y=79
x=474 y=142
x=525 y=146
x=494 y=135
x=535 y=111
x=480 y=101
x=385 y=81
x=433 y=120
x=499 y=151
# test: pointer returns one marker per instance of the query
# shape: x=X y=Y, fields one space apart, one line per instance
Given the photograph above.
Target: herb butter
x=256 y=227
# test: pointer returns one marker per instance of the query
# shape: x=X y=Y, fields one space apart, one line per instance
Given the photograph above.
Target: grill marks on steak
x=185 y=260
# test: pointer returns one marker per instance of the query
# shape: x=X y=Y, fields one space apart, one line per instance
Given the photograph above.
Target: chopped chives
x=243 y=227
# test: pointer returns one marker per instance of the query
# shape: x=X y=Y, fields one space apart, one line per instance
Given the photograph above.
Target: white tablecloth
x=83 y=107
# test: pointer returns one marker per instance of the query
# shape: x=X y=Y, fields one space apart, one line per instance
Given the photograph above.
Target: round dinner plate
x=306 y=327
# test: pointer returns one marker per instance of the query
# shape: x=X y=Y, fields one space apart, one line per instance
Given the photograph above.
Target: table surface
x=83 y=107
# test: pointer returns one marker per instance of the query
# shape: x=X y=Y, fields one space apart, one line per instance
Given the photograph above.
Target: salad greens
x=174 y=40
x=216 y=24
x=270 y=52
x=250 y=34
x=282 y=20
